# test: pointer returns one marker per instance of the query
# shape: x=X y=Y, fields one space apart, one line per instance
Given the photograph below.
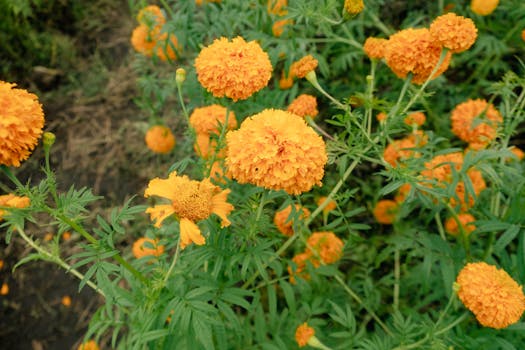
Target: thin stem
x=173 y=263
x=404 y=89
x=219 y=140
x=182 y=104
x=370 y=94
x=315 y=83
x=397 y=273
x=439 y=223
x=314 y=125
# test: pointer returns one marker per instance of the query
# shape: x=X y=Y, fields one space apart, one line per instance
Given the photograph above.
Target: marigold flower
x=354 y=7
x=415 y=51
x=144 y=40
x=66 y=300
x=208 y=120
x=304 y=66
x=235 y=69
x=466 y=221
x=381 y=117
x=517 y=152
x=283 y=219
x=332 y=205
x=304 y=105
x=385 y=211
x=21 y=123
x=398 y=151
x=303 y=333
x=167 y=50
x=206 y=147
x=89 y=345
x=160 y=139
x=417 y=118
x=190 y=201
x=1 y=264
x=66 y=236
x=483 y=7
x=48 y=236
x=491 y=294
x=300 y=261
x=327 y=245
x=278 y=26
x=476 y=122
x=277 y=7
x=276 y=150
x=402 y=193
x=375 y=47
x=523 y=34
x=146 y=247
x=4 y=290
x=286 y=81
x=454 y=32
x=151 y=16
x=12 y=201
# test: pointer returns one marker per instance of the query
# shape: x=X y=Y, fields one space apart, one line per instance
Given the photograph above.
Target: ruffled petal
x=190 y=233
x=163 y=187
x=159 y=213
x=221 y=207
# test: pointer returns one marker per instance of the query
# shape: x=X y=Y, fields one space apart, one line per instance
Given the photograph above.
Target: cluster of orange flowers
x=150 y=38
x=398 y=151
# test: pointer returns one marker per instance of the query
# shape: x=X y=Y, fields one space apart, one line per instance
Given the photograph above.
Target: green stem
x=314 y=125
x=370 y=94
x=219 y=141
x=397 y=274
x=439 y=223
x=313 y=80
x=173 y=263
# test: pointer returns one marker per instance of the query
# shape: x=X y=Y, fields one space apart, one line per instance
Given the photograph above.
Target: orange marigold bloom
x=167 y=50
x=12 y=201
x=283 y=219
x=381 y=116
x=402 y=193
x=151 y=16
x=66 y=236
x=286 y=81
x=415 y=51
x=304 y=105
x=327 y=245
x=277 y=7
x=5 y=289
x=304 y=66
x=276 y=150
x=417 y=118
x=303 y=334
x=146 y=247
x=517 y=152
x=235 y=69
x=66 y=300
x=354 y=7
x=466 y=221
x=385 y=211
x=190 y=201
x=206 y=147
x=89 y=345
x=400 y=150
x=278 y=26
x=208 y=120
x=332 y=205
x=491 y=294
x=21 y=123
x=160 y=139
x=454 y=32
x=300 y=261
x=476 y=122
x=375 y=47
x=144 y=40
x=483 y=7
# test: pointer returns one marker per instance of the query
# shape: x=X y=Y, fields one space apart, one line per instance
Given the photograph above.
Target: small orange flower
x=277 y=7
x=190 y=201
x=303 y=334
x=144 y=40
x=21 y=123
x=381 y=117
x=375 y=47
x=66 y=236
x=89 y=345
x=332 y=205
x=304 y=66
x=235 y=69
x=523 y=34
x=146 y=247
x=300 y=261
x=327 y=245
x=417 y=118
x=279 y=26
x=402 y=193
x=517 y=152
x=354 y=7
x=283 y=219
x=286 y=81
x=48 y=236
x=397 y=152
x=160 y=139
x=1 y=264
x=304 y=105
x=151 y=16
x=454 y=32
x=167 y=49
x=66 y=301
x=12 y=201
x=466 y=221
x=491 y=294
x=385 y=211
x=483 y=7
x=5 y=289
x=209 y=119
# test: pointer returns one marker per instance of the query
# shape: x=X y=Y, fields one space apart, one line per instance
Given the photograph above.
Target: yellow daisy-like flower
x=466 y=221
x=190 y=201
x=208 y=120
x=304 y=105
x=12 y=201
x=21 y=123
x=276 y=150
x=235 y=69
x=284 y=222
x=454 y=32
x=303 y=333
x=415 y=51
x=491 y=294
x=304 y=66
x=327 y=245
x=476 y=122
x=483 y=7
x=146 y=247
x=385 y=211
x=89 y=345
x=375 y=47
x=160 y=139
x=354 y=7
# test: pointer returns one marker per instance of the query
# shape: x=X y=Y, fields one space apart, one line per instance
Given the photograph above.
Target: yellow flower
x=304 y=66
x=385 y=211
x=303 y=333
x=375 y=47
x=208 y=120
x=414 y=51
x=283 y=220
x=190 y=201
x=415 y=118
x=146 y=247
x=304 y=105
x=12 y=201
x=354 y=7
x=454 y=32
x=235 y=69
x=160 y=139
x=491 y=294
x=327 y=245
x=277 y=7
x=89 y=345
x=466 y=221
x=21 y=123
x=483 y=7
x=276 y=150
x=278 y=26
x=476 y=122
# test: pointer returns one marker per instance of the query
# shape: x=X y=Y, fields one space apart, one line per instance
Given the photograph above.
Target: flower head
x=146 y=247
x=331 y=205
x=21 y=123
x=286 y=81
x=483 y=7
x=89 y=345
x=523 y=34
x=414 y=51
x=354 y=7
x=160 y=139
x=381 y=117
x=465 y=223
x=304 y=66
x=415 y=118
x=151 y=16
x=300 y=261
x=12 y=201
x=385 y=211
x=235 y=69
x=167 y=49
x=398 y=151
x=277 y=7
x=454 y=32
x=148 y=41
x=327 y=245
x=475 y=122
x=208 y=120
x=491 y=294
x=276 y=150
x=304 y=105
x=189 y=201
x=206 y=146
x=375 y=47
x=517 y=152
x=303 y=333
x=279 y=26
x=283 y=219
x=402 y=193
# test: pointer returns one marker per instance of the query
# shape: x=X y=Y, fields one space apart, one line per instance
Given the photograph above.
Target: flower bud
x=180 y=76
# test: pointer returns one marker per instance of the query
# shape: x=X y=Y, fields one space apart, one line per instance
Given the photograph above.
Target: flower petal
x=159 y=213
x=190 y=233
x=221 y=207
x=163 y=187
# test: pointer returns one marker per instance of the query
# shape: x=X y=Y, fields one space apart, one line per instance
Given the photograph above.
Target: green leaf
x=505 y=239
